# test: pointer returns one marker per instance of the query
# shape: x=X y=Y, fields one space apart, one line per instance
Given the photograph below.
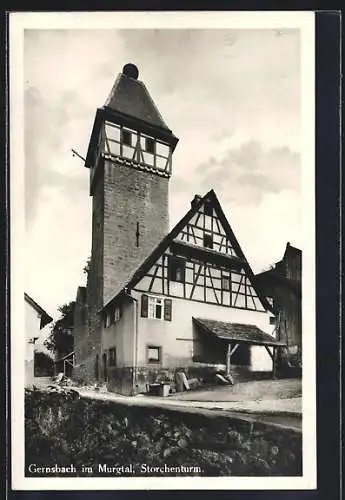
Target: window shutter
x=144 y=306
x=167 y=309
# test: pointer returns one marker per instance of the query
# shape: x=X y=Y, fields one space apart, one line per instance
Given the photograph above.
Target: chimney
x=195 y=200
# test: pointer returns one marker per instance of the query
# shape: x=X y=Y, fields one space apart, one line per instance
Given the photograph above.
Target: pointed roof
x=45 y=317
x=130 y=97
x=130 y=104
x=135 y=277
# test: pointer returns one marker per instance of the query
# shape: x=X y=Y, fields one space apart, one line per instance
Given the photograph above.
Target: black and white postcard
x=162 y=250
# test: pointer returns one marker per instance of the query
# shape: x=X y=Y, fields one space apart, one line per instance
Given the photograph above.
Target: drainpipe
x=135 y=340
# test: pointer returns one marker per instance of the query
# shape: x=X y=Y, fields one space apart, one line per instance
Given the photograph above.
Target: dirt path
x=247 y=391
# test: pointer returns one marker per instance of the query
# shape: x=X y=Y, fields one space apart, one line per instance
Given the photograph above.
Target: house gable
x=181 y=268
x=201 y=279
x=205 y=229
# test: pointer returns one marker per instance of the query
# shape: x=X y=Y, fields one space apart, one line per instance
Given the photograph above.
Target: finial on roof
x=195 y=200
x=131 y=70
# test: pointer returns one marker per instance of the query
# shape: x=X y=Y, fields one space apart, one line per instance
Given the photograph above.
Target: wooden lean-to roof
x=236 y=332
x=140 y=272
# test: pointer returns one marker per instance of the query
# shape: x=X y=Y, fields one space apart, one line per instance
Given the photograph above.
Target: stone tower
x=130 y=163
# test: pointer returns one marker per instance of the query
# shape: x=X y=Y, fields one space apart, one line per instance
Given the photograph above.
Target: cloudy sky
x=231 y=96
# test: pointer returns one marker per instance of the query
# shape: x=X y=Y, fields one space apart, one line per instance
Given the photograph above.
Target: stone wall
x=131 y=197
x=124 y=200
x=63 y=430
x=129 y=381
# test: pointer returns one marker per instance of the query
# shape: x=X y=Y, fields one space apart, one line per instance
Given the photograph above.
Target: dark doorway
x=241 y=356
x=105 y=367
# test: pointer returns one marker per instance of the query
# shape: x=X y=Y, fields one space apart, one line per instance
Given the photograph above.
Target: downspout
x=135 y=340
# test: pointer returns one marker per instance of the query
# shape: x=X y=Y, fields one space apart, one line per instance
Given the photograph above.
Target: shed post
x=228 y=357
x=274 y=359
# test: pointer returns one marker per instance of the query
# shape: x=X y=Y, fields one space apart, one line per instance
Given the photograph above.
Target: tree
x=86 y=268
x=60 y=340
x=44 y=365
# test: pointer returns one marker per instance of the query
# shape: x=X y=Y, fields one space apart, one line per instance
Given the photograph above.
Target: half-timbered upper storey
x=130 y=130
x=200 y=260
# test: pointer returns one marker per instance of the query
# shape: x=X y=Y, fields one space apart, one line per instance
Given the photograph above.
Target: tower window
x=208 y=208
x=208 y=240
x=150 y=145
x=126 y=138
x=176 y=269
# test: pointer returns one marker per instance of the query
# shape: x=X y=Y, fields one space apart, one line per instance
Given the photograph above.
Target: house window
x=107 y=319
x=208 y=208
x=112 y=356
x=208 y=240
x=156 y=308
x=117 y=314
x=272 y=320
x=176 y=269
x=112 y=316
x=126 y=138
x=225 y=283
x=153 y=354
x=270 y=300
x=149 y=145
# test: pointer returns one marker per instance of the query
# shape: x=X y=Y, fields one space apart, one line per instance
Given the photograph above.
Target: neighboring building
x=36 y=318
x=155 y=301
x=283 y=285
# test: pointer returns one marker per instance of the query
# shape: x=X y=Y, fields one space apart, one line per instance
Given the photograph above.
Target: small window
x=117 y=314
x=107 y=319
x=176 y=269
x=270 y=300
x=208 y=208
x=149 y=145
x=112 y=356
x=208 y=240
x=154 y=354
x=272 y=320
x=225 y=283
x=126 y=138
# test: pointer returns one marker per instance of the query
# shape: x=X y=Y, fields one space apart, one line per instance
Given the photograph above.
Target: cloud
x=249 y=172
x=231 y=96
x=47 y=148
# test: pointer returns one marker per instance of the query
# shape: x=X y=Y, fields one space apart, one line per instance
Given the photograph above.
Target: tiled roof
x=237 y=332
x=130 y=97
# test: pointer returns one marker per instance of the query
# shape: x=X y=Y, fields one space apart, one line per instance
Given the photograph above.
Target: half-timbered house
x=283 y=284
x=159 y=301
